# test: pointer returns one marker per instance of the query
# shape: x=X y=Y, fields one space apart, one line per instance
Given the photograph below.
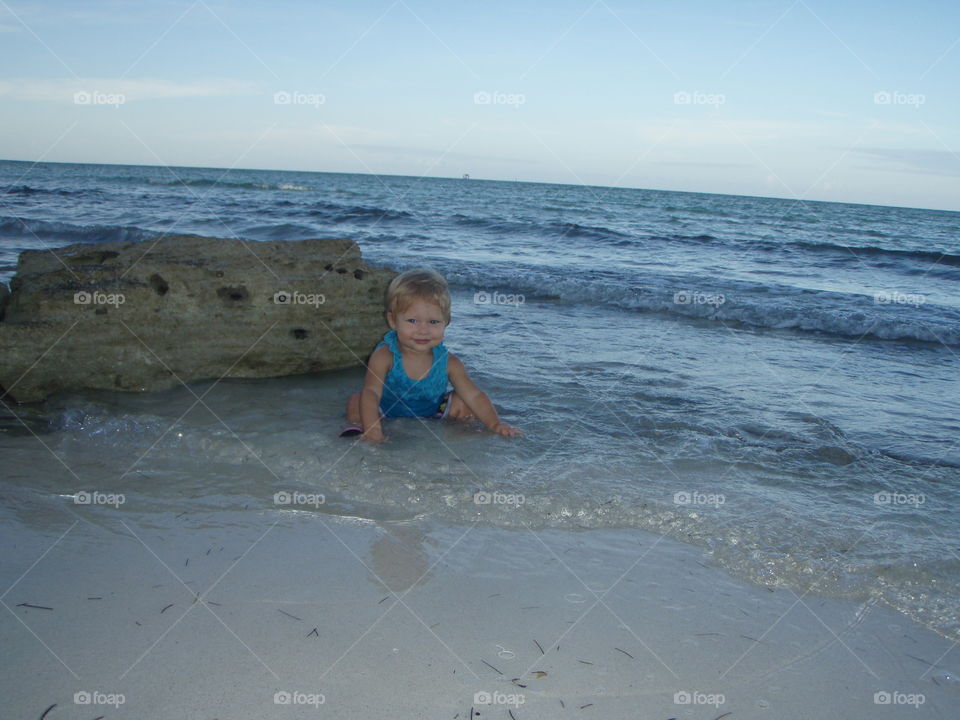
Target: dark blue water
x=845 y=270
x=662 y=350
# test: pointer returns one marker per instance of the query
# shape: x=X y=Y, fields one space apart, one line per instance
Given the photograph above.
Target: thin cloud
x=921 y=162
x=64 y=89
x=694 y=163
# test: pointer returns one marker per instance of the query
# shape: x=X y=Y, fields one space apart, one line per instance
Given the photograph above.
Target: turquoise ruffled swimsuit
x=403 y=397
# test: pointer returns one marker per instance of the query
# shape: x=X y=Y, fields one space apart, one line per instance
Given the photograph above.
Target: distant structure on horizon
x=466 y=176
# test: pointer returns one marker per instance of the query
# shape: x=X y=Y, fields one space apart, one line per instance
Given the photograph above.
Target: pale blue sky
x=819 y=100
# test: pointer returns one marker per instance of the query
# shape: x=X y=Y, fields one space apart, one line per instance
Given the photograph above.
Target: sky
x=810 y=99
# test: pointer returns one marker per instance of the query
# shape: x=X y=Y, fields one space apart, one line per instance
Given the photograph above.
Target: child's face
x=419 y=327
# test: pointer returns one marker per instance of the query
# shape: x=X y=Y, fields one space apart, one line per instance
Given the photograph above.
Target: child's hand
x=501 y=428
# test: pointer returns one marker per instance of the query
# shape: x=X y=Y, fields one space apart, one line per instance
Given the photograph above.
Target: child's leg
x=353 y=409
x=457 y=409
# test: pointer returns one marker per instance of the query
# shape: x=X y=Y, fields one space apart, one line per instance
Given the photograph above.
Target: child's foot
x=351 y=431
x=444 y=406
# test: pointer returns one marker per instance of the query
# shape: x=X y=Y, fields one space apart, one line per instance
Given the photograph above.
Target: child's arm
x=380 y=363
x=477 y=400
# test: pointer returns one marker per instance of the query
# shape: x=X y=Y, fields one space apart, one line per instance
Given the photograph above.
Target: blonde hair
x=419 y=284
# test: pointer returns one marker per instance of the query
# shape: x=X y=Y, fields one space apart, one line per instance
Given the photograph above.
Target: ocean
x=772 y=380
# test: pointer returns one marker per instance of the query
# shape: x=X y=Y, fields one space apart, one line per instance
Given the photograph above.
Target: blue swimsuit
x=403 y=397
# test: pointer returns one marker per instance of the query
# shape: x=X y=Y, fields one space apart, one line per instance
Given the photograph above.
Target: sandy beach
x=250 y=615
x=702 y=259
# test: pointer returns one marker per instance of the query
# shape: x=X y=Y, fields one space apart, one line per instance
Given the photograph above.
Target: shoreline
x=215 y=613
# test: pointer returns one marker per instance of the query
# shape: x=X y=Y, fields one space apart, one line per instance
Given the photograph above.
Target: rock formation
x=152 y=315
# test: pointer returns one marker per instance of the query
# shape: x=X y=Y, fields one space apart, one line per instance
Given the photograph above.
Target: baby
x=408 y=372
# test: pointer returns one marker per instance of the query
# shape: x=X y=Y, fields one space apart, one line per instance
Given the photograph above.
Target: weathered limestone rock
x=149 y=316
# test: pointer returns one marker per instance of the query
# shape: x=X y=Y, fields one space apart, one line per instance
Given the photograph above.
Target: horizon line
x=470 y=178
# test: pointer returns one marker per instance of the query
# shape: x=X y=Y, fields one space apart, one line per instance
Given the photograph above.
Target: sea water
x=773 y=380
